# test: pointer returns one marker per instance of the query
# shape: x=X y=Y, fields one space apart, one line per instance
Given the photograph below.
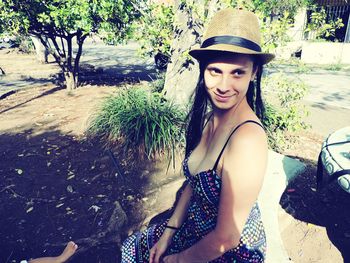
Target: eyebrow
x=215 y=67
x=243 y=68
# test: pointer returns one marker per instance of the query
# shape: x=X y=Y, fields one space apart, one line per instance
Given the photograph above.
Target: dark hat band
x=231 y=40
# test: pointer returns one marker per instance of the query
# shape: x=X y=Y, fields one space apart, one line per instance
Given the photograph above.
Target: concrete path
x=280 y=171
x=328 y=100
x=119 y=62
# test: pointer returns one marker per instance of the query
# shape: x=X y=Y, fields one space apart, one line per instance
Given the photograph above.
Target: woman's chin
x=223 y=106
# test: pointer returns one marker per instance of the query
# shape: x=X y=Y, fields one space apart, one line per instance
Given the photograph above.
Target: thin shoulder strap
x=235 y=129
x=207 y=120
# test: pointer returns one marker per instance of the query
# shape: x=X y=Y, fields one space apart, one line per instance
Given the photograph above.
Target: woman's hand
x=175 y=258
x=160 y=247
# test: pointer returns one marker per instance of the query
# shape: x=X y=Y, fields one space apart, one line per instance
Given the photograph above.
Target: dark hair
x=196 y=115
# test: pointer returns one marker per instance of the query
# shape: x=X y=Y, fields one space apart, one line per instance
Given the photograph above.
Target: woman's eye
x=238 y=73
x=214 y=71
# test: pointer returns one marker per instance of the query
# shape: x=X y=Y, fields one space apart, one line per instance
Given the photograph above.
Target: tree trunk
x=64 y=54
x=181 y=78
x=41 y=51
x=182 y=74
x=71 y=80
x=80 y=41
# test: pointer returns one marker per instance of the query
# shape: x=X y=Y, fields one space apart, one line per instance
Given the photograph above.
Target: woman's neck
x=229 y=118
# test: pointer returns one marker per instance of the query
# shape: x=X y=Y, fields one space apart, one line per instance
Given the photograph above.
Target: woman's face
x=227 y=79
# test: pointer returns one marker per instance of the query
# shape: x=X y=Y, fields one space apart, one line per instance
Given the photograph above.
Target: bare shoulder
x=247 y=150
x=249 y=136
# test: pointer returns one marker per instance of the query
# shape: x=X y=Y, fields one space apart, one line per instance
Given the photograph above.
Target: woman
x=217 y=218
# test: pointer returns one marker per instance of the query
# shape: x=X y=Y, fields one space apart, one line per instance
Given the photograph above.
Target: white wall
x=297 y=31
x=326 y=53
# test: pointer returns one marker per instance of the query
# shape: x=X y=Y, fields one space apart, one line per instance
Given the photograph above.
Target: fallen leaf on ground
x=70 y=188
x=19 y=171
x=95 y=208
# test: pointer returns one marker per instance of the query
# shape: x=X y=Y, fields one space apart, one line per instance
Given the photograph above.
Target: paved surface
x=328 y=100
x=280 y=170
x=119 y=62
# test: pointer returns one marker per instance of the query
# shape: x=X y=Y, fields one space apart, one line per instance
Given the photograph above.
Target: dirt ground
x=58 y=185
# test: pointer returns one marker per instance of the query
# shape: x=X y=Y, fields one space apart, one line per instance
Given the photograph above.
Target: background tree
x=319 y=28
x=191 y=16
x=56 y=23
x=154 y=32
x=270 y=8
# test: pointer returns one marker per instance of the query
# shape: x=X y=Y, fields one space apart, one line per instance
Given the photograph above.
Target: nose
x=224 y=85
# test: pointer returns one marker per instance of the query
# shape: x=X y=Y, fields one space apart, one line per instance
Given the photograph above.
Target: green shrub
x=140 y=120
x=157 y=84
x=284 y=112
x=319 y=26
x=302 y=68
x=334 y=67
x=25 y=44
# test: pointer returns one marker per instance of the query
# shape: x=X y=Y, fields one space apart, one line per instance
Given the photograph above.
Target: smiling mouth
x=222 y=98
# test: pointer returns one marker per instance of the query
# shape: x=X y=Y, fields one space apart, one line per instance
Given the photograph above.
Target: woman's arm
x=175 y=220
x=179 y=213
x=244 y=165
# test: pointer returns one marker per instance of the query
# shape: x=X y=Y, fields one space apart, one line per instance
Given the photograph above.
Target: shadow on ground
x=328 y=207
x=55 y=188
x=116 y=75
x=45 y=93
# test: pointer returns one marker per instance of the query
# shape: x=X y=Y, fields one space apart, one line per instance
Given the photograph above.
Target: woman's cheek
x=210 y=83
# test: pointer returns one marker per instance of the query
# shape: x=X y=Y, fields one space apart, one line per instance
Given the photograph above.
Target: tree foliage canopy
x=65 y=19
x=279 y=7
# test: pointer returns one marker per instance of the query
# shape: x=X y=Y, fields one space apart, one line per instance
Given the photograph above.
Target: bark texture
x=41 y=51
x=182 y=73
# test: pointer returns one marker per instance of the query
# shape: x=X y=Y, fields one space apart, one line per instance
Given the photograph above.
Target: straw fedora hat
x=235 y=31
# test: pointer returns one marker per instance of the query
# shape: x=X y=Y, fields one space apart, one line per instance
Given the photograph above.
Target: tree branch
x=80 y=41
x=48 y=47
x=57 y=48
x=69 y=53
x=63 y=48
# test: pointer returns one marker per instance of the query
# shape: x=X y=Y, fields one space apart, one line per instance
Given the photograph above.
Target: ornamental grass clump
x=141 y=121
